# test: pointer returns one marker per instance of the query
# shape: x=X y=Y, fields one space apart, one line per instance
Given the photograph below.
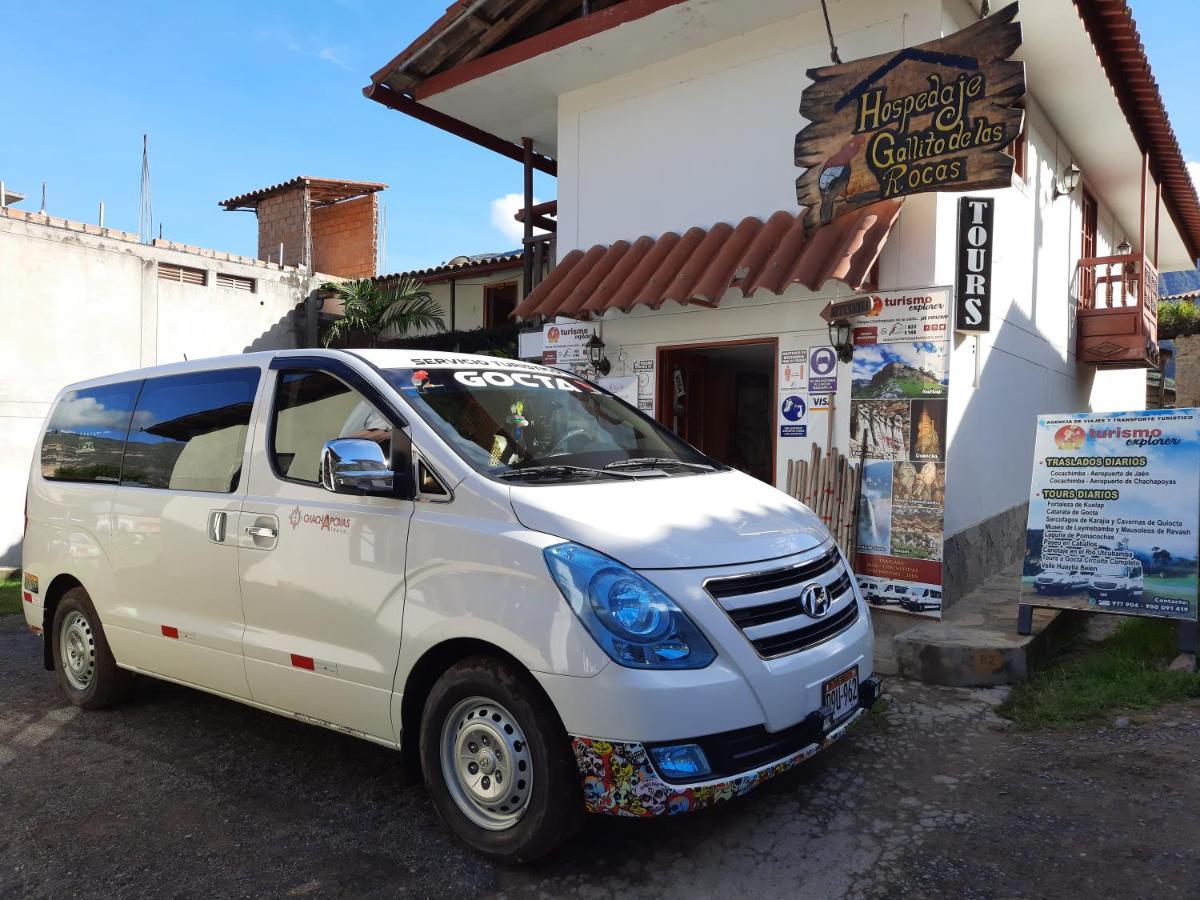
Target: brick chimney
x=323 y=224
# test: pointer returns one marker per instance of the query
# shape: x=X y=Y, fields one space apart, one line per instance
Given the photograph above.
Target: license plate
x=841 y=693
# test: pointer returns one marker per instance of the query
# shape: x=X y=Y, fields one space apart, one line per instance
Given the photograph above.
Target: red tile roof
x=1110 y=25
x=702 y=264
x=460 y=266
x=323 y=190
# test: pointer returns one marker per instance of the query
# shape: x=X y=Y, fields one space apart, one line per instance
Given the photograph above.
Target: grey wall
x=77 y=302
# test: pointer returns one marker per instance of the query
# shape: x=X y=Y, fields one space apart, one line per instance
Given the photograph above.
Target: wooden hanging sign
x=935 y=117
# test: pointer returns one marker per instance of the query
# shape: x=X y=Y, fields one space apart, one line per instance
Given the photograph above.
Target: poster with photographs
x=900 y=382
x=1114 y=512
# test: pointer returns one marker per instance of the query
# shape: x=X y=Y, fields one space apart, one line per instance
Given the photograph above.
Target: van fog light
x=681 y=761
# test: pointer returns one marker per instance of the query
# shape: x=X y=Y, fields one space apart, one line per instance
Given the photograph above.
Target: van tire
x=106 y=683
x=553 y=811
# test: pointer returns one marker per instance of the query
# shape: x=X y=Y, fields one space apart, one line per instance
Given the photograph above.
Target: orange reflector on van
x=170 y=631
x=303 y=662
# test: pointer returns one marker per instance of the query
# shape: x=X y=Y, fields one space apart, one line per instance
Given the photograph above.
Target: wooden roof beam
x=381 y=93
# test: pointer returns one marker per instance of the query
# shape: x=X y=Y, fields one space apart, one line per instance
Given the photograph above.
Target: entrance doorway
x=720 y=399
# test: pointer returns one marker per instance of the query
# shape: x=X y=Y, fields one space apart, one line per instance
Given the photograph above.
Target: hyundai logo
x=814 y=600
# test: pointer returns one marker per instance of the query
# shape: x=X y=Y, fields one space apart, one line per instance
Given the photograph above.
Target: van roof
x=395 y=359
x=383 y=359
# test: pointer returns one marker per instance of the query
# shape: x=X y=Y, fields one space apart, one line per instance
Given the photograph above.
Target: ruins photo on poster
x=882 y=426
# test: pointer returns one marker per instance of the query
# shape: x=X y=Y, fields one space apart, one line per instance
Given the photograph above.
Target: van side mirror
x=355 y=466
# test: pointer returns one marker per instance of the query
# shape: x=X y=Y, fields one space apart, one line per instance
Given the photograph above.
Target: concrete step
x=976 y=642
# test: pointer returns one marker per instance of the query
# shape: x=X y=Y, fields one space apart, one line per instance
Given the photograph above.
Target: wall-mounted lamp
x=1068 y=182
x=595 y=355
x=1124 y=248
x=841 y=338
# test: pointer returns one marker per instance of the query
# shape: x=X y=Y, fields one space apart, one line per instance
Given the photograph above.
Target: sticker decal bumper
x=619 y=779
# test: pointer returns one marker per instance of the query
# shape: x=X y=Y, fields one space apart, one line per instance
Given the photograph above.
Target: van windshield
x=520 y=421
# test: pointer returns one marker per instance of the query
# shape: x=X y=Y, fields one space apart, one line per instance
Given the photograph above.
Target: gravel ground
x=179 y=794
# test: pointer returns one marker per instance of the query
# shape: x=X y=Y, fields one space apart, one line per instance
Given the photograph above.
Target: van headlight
x=633 y=621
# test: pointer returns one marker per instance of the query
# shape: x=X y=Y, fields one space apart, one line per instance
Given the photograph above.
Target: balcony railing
x=1118 y=311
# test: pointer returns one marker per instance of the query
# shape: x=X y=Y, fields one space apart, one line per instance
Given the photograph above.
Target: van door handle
x=216 y=526
x=262 y=531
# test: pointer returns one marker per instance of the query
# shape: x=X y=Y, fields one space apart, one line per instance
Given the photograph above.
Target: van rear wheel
x=497 y=762
x=87 y=672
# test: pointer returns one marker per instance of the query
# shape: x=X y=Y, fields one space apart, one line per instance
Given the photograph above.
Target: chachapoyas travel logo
x=1070 y=437
x=324 y=521
x=552 y=334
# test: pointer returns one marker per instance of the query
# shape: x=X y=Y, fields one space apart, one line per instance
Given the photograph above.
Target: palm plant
x=372 y=309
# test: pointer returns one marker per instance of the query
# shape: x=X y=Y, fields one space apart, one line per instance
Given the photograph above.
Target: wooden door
x=1087 y=275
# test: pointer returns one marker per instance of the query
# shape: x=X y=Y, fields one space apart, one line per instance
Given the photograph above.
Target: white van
x=1123 y=581
x=551 y=602
x=921 y=599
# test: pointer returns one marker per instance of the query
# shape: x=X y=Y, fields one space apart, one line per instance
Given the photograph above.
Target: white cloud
x=314 y=46
x=503 y=209
x=333 y=55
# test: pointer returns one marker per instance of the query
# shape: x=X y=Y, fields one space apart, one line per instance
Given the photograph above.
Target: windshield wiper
x=655 y=462
x=561 y=471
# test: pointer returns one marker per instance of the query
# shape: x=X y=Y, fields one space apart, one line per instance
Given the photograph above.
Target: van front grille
x=778 y=625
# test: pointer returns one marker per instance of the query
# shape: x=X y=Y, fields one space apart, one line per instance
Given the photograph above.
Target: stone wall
x=1187 y=371
x=972 y=556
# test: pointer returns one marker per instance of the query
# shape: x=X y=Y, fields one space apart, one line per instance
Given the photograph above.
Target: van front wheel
x=86 y=670
x=497 y=762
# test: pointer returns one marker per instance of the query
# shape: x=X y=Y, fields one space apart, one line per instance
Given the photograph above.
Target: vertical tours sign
x=900 y=380
x=1113 y=513
x=934 y=117
x=973 y=281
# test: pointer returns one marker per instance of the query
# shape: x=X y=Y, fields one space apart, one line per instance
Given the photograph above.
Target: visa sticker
x=31 y=582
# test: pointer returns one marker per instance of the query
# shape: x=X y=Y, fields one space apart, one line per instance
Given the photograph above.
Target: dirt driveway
x=178 y=794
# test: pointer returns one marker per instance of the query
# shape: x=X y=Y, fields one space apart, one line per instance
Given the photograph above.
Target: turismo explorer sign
x=1113 y=514
x=935 y=117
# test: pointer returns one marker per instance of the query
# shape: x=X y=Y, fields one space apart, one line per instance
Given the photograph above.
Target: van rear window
x=86 y=434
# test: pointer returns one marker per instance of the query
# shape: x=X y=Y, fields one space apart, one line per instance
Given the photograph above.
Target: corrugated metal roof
x=322 y=190
x=702 y=264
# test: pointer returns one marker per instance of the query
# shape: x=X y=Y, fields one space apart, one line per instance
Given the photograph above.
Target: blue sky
x=237 y=96
x=234 y=96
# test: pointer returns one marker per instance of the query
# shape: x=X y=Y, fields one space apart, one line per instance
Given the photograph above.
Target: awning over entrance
x=703 y=264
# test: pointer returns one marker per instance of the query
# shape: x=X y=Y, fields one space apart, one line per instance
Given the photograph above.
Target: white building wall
x=708 y=136
x=78 y=304
x=1001 y=382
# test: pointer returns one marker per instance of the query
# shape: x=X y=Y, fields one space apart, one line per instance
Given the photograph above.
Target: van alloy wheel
x=78 y=648
x=486 y=764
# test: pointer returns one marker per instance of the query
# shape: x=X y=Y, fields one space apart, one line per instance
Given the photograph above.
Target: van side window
x=86 y=434
x=312 y=408
x=189 y=431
